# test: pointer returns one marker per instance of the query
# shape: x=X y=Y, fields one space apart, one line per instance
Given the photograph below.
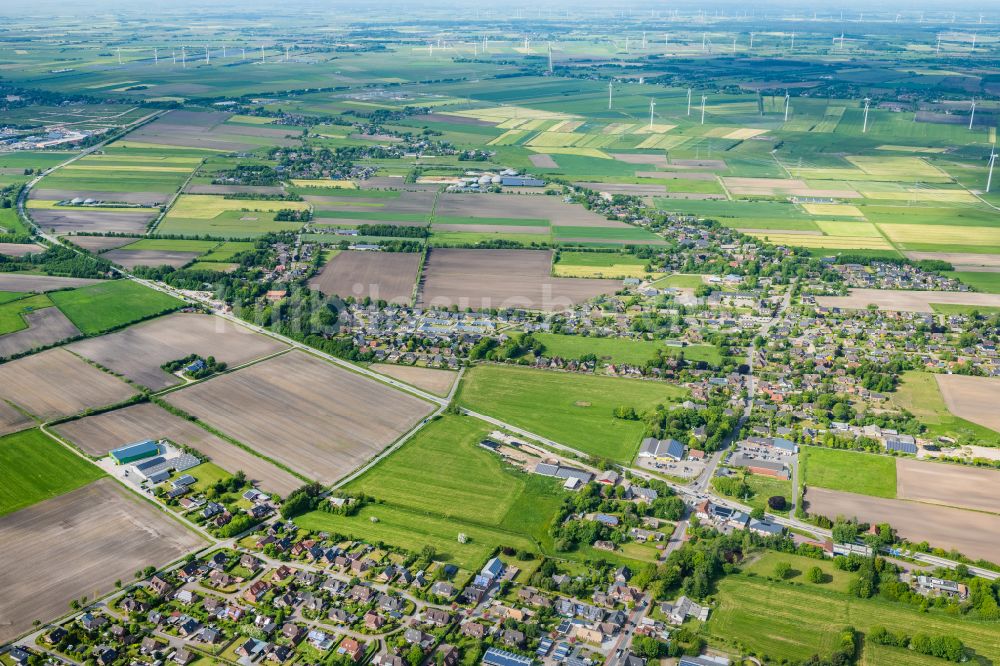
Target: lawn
x=470 y=490
x=205 y=474
x=12 y=312
x=622 y=350
x=764 y=487
x=918 y=394
x=849 y=471
x=572 y=409
x=34 y=467
x=782 y=621
x=112 y=304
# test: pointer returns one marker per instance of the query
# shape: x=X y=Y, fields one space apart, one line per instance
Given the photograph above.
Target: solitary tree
x=782 y=570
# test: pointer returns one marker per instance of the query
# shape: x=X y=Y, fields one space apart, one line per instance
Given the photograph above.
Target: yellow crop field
x=744 y=133
x=942 y=234
x=323 y=182
x=906 y=168
x=566 y=126
x=44 y=204
x=836 y=210
x=938 y=196
x=561 y=139
x=613 y=271
x=655 y=128
x=856 y=229
x=206 y=207
x=838 y=242
x=126 y=167
x=250 y=120
x=665 y=142
x=582 y=152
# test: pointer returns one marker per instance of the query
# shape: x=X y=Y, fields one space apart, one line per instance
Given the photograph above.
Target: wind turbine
x=610 y=88
x=974 y=35
x=223 y=51
x=864 y=127
x=972 y=114
x=184 y=57
x=156 y=56
x=652 y=105
x=703 y=98
x=526 y=43
x=751 y=41
x=937 y=51
x=119 y=55
x=788 y=101
x=286 y=52
x=550 y=57
x=792 y=48
x=993 y=159
x=243 y=56
x=173 y=54
x=208 y=58
x=643 y=40
x=262 y=54
x=734 y=45
x=689 y=101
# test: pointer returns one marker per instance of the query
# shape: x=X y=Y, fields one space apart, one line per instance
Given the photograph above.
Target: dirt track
x=974 y=534
x=138 y=351
x=97 y=435
x=78 y=545
x=972 y=398
x=503 y=278
x=386 y=275
x=56 y=383
x=305 y=413
x=45 y=327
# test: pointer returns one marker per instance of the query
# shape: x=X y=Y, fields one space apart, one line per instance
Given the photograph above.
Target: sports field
x=34 y=467
x=849 y=471
x=571 y=409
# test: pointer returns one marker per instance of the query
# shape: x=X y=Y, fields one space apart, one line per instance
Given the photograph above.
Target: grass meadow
x=572 y=409
x=848 y=471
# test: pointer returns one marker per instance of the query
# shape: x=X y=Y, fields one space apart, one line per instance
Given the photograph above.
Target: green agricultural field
x=34 y=467
x=10 y=223
x=109 y=305
x=572 y=409
x=849 y=471
x=171 y=245
x=919 y=394
x=786 y=621
x=600 y=259
x=622 y=235
x=12 y=312
x=226 y=251
x=985 y=282
x=622 y=350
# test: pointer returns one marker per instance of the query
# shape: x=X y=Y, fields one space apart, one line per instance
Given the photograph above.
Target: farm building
x=137 y=451
x=661 y=449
